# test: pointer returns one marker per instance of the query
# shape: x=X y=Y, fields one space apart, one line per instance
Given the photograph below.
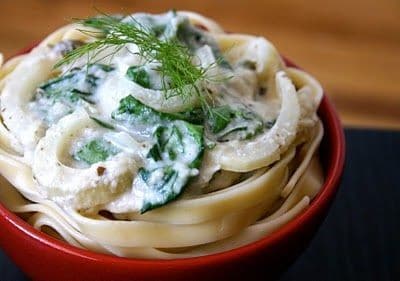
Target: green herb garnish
x=178 y=72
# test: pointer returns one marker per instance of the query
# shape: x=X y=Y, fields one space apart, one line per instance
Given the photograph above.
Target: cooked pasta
x=157 y=136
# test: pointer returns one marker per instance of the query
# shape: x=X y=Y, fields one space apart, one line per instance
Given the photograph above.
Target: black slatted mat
x=360 y=238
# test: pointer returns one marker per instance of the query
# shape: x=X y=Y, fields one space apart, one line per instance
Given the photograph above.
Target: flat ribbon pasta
x=17 y=92
x=66 y=182
x=266 y=148
x=246 y=188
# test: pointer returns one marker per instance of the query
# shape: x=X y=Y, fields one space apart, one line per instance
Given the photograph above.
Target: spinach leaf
x=195 y=38
x=220 y=117
x=178 y=149
x=196 y=133
x=170 y=140
x=77 y=84
x=59 y=96
x=194 y=116
x=229 y=123
x=133 y=112
x=139 y=75
x=176 y=154
x=167 y=141
x=95 y=151
x=162 y=191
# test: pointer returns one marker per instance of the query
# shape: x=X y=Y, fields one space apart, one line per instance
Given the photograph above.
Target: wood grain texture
x=351 y=46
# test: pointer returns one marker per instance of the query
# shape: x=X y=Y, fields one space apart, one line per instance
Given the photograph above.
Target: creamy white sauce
x=133 y=142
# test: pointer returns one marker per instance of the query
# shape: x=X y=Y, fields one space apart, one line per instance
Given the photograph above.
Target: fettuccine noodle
x=244 y=189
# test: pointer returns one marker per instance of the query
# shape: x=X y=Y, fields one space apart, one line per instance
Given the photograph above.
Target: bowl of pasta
x=159 y=147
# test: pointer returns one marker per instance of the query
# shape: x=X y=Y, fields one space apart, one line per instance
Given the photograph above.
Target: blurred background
x=351 y=46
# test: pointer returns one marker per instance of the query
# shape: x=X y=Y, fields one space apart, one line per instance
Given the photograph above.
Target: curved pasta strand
x=198 y=19
x=149 y=234
x=308 y=185
x=244 y=156
x=310 y=151
x=17 y=93
x=58 y=35
x=280 y=167
x=61 y=181
x=240 y=48
x=263 y=186
x=247 y=236
x=302 y=79
x=19 y=175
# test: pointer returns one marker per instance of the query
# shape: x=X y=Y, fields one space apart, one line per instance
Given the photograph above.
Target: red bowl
x=43 y=257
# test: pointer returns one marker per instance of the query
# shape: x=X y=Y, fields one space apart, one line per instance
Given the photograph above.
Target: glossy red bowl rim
x=333 y=174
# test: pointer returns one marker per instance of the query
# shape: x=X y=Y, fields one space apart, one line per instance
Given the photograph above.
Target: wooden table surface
x=351 y=46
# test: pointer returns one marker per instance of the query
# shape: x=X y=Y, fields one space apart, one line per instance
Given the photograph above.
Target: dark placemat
x=360 y=238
